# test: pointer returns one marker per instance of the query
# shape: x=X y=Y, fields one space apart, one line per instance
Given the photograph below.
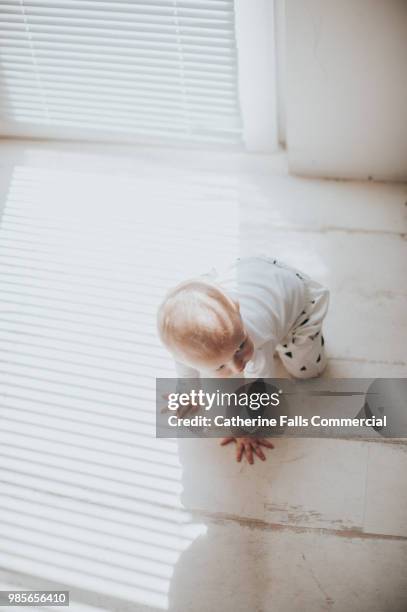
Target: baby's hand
x=248 y=446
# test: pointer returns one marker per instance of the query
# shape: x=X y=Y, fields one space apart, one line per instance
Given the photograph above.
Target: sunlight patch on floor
x=90 y=497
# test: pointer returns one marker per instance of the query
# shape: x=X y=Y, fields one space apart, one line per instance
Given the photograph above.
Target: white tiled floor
x=90 y=238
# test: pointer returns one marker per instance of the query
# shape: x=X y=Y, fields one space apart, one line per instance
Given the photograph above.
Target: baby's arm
x=184 y=371
x=250 y=446
x=267 y=369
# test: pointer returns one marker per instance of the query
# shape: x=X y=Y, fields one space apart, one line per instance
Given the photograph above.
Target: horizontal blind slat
x=125 y=121
x=212 y=5
x=186 y=116
x=147 y=44
x=144 y=39
x=161 y=16
x=105 y=29
x=163 y=24
x=205 y=65
x=162 y=96
x=141 y=82
x=157 y=53
x=117 y=68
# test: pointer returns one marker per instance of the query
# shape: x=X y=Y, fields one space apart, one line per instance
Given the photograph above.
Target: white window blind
x=157 y=70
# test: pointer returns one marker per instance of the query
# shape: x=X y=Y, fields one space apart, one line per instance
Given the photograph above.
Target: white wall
x=280 y=67
x=254 y=22
x=347 y=88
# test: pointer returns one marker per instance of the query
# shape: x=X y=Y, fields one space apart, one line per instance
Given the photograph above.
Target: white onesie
x=282 y=310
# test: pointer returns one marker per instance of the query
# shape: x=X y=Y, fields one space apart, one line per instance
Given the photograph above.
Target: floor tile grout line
x=258 y=524
x=368 y=361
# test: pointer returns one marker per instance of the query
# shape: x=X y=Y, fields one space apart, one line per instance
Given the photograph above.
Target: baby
x=231 y=324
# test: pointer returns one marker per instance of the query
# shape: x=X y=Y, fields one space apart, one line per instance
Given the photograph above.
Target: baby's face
x=235 y=360
x=231 y=361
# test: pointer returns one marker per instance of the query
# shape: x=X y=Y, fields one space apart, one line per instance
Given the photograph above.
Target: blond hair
x=198 y=319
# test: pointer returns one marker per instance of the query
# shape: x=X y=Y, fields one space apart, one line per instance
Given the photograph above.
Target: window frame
x=255 y=28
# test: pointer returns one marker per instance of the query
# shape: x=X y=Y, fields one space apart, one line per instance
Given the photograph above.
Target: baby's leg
x=304 y=356
x=303 y=350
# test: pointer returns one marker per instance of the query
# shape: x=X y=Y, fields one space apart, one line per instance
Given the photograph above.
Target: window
x=157 y=70
x=186 y=71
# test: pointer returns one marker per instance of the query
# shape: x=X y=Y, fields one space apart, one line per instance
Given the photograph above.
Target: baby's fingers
x=226 y=441
x=181 y=412
x=249 y=452
x=239 y=451
x=266 y=443
x=259 y=452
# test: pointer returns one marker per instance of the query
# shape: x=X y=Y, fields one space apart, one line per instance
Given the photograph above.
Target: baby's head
x=202 y=327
